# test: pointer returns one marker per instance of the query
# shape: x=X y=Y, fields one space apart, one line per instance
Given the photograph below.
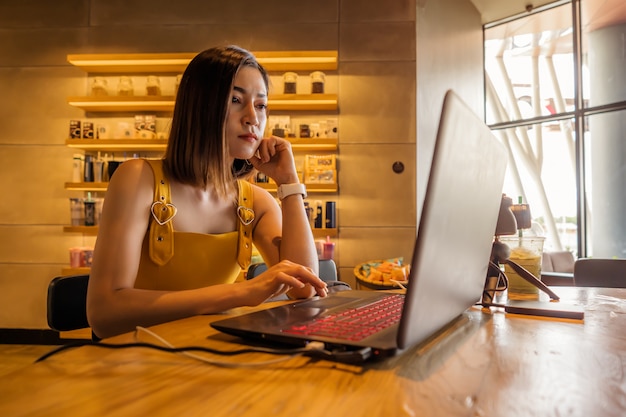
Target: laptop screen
x=458 y=222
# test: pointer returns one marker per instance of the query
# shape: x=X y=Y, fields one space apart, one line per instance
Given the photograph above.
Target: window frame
x=578 y=115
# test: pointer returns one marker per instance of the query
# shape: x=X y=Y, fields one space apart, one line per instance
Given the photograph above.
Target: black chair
x=256 y=269
x=592 y=272
x=67 y=303
x=328 y=270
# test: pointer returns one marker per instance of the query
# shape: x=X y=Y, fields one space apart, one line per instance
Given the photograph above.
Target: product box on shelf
x=81 y=257
x=145 y=126
x=321 y=214
x=75 y=129
x=320 y=169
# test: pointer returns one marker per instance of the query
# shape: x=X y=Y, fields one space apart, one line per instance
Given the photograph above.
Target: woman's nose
x=250 y=116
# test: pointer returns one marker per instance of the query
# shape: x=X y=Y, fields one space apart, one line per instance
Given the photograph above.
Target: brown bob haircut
x=197 y=150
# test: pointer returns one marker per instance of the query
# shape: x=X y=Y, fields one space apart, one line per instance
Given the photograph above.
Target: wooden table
x=492 y=364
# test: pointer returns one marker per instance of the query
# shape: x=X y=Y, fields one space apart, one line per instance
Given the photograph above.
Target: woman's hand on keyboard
x=281 y=278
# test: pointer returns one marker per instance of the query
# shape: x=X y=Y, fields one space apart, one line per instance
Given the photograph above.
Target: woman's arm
x=113 y=304
x=283 y=233
x=296 y=243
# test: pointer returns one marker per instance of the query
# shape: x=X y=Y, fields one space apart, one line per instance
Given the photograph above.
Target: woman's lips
x=250 y=138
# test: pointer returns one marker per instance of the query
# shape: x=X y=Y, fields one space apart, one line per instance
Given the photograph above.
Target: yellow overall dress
x=173 y=260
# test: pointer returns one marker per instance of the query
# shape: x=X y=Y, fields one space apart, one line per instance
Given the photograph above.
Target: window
x=555 y=83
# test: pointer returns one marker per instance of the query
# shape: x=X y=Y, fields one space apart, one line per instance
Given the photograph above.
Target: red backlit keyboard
x=356 y=323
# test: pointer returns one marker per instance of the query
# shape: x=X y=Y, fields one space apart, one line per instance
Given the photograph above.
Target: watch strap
x=285 y=190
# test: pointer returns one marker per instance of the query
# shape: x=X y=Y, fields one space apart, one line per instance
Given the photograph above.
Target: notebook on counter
x=449 y=263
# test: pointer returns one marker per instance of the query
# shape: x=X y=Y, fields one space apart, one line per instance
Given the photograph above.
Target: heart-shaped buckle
x=246 y=215
x=163 y=212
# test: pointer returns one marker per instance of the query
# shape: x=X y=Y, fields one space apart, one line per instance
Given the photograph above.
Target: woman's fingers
x=266 y=150
x=292 y=275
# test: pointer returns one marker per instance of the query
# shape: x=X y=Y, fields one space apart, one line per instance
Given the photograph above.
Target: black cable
x=502 y=283
x=481 y=304
x=173 y=350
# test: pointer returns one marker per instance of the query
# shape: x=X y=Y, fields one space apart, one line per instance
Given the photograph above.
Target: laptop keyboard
x=354 y=324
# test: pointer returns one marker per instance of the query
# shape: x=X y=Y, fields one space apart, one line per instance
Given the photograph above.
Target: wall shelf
x=291 y=102
x=313 y=144
x=299 y=102
x=86 y=230
x=310 y=188
x=322 y=233
x=117 y=144
x=177 y=62
x=75 y=271
x=298 y=144
x=123 y=103
x=86 y=186
x=102 y=186
x=93 y=231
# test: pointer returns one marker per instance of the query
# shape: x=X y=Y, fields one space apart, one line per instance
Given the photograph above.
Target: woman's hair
x=197 y=150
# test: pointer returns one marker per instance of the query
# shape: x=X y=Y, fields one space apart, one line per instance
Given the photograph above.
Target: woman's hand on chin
x=274 y=158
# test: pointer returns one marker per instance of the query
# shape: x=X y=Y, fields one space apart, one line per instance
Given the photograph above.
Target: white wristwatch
x=286 y=190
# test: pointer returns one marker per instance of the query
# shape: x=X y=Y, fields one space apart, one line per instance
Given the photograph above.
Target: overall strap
x=245 y=213
x=161 y=240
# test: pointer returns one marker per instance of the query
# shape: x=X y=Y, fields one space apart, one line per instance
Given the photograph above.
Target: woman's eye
x=235 y=100
x=261 y=106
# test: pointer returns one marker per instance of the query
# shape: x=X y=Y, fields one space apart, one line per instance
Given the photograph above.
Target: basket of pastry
x=383 y=274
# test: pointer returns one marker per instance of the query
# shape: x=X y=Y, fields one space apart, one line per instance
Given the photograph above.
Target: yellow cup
x=527 y=252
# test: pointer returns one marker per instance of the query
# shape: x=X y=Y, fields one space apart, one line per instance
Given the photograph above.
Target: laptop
x=449 y=263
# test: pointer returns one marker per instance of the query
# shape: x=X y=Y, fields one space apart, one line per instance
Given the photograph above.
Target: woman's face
x=247 y=113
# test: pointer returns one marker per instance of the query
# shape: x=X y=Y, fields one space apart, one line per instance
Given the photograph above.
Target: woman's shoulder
x=260 y=193
x=134 y=167
x=133 y=173
x=263 y=200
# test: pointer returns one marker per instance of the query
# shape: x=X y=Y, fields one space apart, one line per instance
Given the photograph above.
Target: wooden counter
x=491 y=364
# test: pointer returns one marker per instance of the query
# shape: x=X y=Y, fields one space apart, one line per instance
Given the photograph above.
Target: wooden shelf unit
x=75 y=271
x=165 y=104
x=310 y=188
x=85 y=230
x=93 y=231
x=118 y=145
x=102 y=186
x=173 y=64
x=177 y=62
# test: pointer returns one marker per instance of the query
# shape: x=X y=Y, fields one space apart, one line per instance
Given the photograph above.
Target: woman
x=174 y=234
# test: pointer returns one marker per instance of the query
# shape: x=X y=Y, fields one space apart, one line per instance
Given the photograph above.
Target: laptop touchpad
x=326 y=302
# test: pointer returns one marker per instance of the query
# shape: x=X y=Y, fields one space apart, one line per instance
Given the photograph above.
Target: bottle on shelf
x=90 y=211
x=98 y=169
x=77 y=168
x=88 y=169
x=99 y=87
x=319 y=218
x=330 y=215
x=125 y=86
x=153 y=86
